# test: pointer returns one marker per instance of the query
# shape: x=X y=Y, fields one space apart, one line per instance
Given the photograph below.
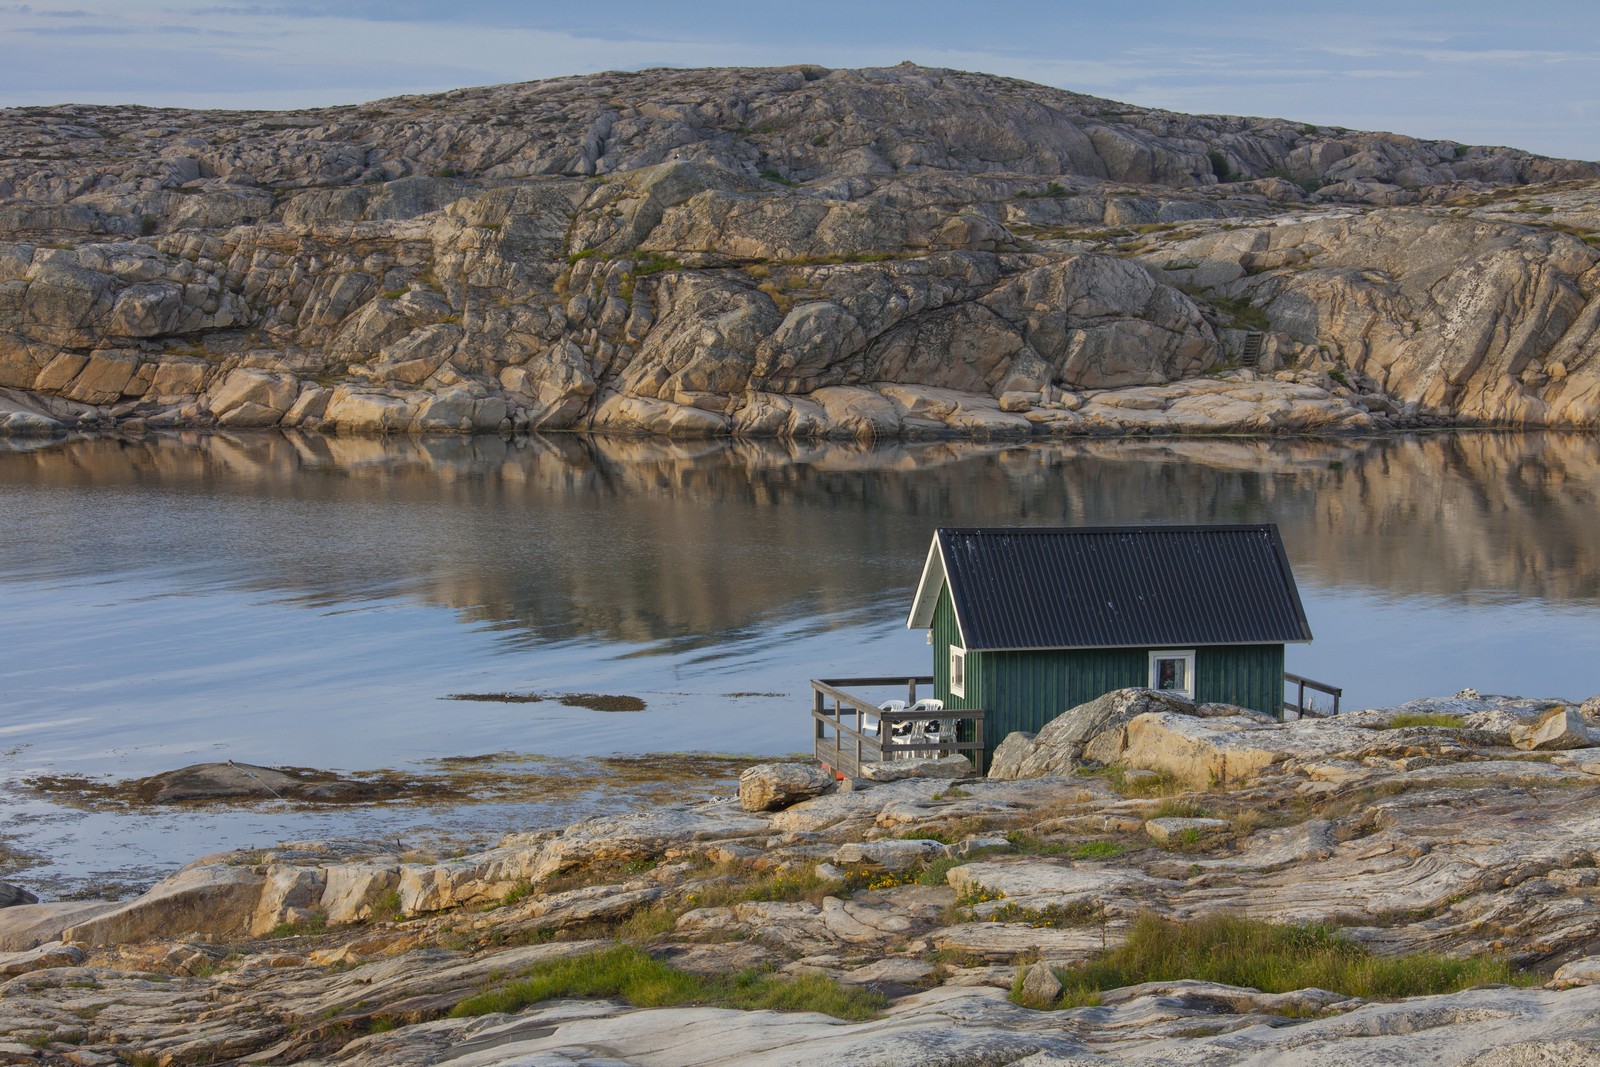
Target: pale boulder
x=263 y=395
x=215 y=901
x=890 y=853
x=288 y=892
x=351 y=890
x=1040 y=986
x=899 y=770
x=1563 y=727
x=27 y=926
x=1060 y=747
x=51 y=954
x=775 y=786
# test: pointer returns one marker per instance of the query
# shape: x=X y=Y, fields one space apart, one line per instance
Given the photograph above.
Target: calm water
x=296 y=600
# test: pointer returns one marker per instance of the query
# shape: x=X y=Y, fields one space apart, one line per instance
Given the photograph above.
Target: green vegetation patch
x=1274 y=959
x=630 y=973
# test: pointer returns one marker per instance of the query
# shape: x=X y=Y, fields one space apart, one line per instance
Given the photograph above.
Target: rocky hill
x=787 y=252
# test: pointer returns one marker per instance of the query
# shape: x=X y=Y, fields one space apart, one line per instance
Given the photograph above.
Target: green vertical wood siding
x=1025 y=690
x=1250 y=676
x=945 y=635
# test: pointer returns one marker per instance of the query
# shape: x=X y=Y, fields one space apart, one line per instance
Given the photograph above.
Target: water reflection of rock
x=648 y=540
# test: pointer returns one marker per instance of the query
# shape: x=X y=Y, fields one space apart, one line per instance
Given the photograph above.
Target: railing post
x=1300 y=702
x=858 y=742
x=911 y=691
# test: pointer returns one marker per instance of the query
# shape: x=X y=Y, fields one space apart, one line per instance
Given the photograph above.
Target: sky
x=1524 y=74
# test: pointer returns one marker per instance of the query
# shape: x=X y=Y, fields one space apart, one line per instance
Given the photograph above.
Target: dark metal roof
x=1118 y=587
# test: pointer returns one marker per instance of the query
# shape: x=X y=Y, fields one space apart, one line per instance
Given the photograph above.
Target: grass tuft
x=1274 y=959
x=630 y=973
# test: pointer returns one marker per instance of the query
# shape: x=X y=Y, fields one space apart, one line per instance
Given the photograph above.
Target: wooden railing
x=843 y=742
x=1297 y=707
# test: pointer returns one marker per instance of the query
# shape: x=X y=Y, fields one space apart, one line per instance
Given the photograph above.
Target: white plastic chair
x=932 y=731
x=872 y=726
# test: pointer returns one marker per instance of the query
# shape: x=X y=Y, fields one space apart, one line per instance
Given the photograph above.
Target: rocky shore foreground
x=791 y=252
x=925 y=920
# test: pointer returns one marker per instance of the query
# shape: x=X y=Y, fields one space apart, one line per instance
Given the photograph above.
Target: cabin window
x=958 y=672
x=1173 y=671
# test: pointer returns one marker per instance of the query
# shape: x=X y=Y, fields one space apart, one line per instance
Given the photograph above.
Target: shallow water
x=297 y=600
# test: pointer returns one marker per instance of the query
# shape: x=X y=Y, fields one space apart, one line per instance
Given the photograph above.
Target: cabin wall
x=1025 y=690
x=945 y=635
x=1250 y=676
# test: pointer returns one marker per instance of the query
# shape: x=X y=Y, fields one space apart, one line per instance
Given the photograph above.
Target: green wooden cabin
x=1027 y=622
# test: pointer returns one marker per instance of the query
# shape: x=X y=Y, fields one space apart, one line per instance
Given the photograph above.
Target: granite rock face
x=784 y=252
x=1445 y=839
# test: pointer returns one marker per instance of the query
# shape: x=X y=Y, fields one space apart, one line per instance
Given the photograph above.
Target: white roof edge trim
x=934 y=578
x=927 y=596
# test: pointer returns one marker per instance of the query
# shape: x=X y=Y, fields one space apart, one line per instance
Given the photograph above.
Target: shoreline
x=1229 y=403
x=931 y=895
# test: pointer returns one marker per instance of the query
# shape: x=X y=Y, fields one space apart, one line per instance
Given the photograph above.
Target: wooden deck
x=843 y=742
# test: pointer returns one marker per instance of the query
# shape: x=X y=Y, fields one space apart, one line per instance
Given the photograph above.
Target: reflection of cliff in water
x=645 y=540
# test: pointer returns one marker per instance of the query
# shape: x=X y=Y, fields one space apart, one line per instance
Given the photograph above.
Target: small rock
x=829 y=873
x=1579 y=972
x=1040 y=986
x=891 y=854
x=12 y=895
x=775 y=786
x=54 y=954
x=1018 y=401
x=895 y=969
x=1169 y=830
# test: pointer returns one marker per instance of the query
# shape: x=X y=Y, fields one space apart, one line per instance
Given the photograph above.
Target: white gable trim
x=928 y=588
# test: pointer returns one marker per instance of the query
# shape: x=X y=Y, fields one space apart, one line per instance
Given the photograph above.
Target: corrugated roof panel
x=1097 y=587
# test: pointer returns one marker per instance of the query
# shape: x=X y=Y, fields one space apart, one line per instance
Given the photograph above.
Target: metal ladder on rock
x=1250 y=355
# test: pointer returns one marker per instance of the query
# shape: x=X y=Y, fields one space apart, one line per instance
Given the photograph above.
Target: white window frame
x=958 y=671
x=1185 y=654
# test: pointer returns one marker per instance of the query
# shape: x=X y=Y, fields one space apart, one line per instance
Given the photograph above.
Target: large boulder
x=1562 y=727
x=775 y=786
x=213 y=901
x=1205 y=752
x=1059 y=747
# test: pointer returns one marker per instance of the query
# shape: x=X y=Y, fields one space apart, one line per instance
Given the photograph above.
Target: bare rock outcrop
x=1444 y=838
x=779 y=252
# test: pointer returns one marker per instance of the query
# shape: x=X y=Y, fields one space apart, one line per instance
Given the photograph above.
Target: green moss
x=654 y=263
x=1412 y=718
x=630 y=973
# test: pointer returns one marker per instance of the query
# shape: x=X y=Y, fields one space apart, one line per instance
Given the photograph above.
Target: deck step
x=1250 y=356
